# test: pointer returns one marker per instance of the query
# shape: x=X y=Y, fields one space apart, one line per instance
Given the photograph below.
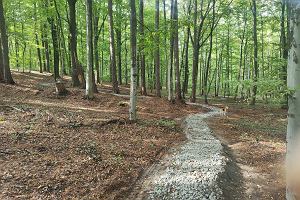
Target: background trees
x=215 y=53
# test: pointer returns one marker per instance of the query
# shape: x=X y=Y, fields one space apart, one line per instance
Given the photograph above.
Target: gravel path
x=190 y=172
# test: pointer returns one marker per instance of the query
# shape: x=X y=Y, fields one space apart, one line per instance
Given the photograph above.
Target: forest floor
x=68 y=147
x=255 y=136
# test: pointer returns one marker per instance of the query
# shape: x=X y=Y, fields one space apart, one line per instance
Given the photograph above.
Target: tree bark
x=176 y=54
x=157 y=56
x=141 y=49
x=133 y=86
x=255 y=75
x=293 y=82
x=170 y=66
x=1 y=62
x=38 y=49
x=89 y=49
x=77 y=71
x=112 y=49
x=5 y=50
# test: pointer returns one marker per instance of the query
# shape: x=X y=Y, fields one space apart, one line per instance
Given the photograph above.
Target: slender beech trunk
x=5 y=50
x=112 y=49
x=195 y=54
x=141 y=49
x=241 y=57
x=1 y=63
x=170 y=66
x=89 y=49
x=186 y=60
x=47 y=50
x=284 y=50
x=54 y=34
x=206 y=89
x=37 y=42
x=293 y=82
x=165 y=42
x=133 y=86
x=119 y=42
x=255 y=74
x=157 y=46
x=176 y=54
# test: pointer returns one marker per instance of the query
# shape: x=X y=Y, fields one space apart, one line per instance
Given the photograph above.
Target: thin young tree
x=133 y=86
x=5 y=50
x=1 y=62
x=89 y=49
x=112 y=48
x=176 y=54
x=157 y=56
x=255 y=48
x=170 y=66
x=293 y=83
x=141 y=49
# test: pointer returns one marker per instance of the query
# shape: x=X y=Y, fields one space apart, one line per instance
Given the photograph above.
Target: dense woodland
x=183 y=48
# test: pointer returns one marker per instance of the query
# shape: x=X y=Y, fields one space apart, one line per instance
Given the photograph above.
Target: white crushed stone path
x=191 y=172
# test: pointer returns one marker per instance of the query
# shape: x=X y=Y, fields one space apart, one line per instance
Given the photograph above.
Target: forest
x=149 y=99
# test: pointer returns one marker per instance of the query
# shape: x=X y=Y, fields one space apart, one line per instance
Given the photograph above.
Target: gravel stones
x=192 y=171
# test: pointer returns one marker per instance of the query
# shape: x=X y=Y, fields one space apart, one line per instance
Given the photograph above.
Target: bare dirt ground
x=71 y=148
x=256 y=140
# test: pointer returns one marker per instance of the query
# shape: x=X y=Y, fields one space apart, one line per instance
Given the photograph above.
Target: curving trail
x=191 y=171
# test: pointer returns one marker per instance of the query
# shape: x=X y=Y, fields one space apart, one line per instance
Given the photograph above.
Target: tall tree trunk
x=119 y=42
x=157 y=56
x=37 y=39
x=141 y=49
x=176 y=54
x=195 y=54
x=54 y=34
x=89 y=49
x=5 y=51
x=112 y=49
x=284 y=50
x=133 y=86
x=207 y=69
x=170 y=66
x=47 y=50
x=186 y=60
x=1 y=63
x=165 y=43
x=119 y=54
x=77 y=70
x=241 y=57
x=126 y=56
x=96 y=50
x=293 y=82
x=255 y=75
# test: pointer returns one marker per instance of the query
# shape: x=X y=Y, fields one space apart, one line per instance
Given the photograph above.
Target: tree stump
x=61 y=88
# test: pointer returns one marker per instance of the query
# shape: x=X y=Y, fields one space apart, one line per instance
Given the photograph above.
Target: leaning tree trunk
x=5 y=51
x=89 y=48
x=112 y=48
x=133 y=86
x=293 y=82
